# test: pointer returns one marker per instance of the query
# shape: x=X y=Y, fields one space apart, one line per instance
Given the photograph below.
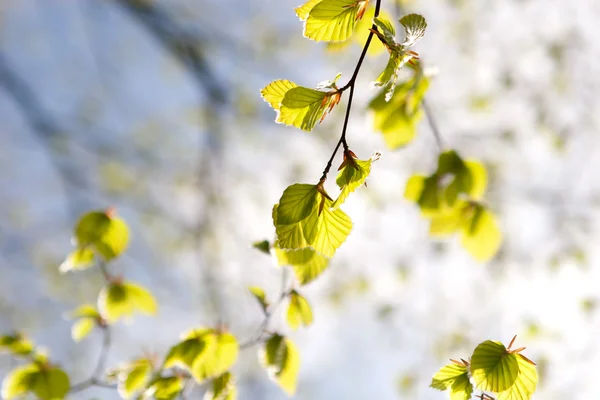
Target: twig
x=351 y=84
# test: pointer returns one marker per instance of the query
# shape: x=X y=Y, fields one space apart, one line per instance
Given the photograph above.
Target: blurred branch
x=45 y=128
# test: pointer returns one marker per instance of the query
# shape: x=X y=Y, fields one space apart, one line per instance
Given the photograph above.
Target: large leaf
x=352 y=175
x=299 y=311
x=222 y=388
x=104 y=232
x=307 y=263
x=333 y=20
x=296 y=203
x=282 y=361
x=455 y=378
x=493 y=368
x=122 y=299
x=275 y=91
x=51 y=383
x=525 y=384
x=361 y=34
x=218 y=358
x=303 y=11
x=481 y=235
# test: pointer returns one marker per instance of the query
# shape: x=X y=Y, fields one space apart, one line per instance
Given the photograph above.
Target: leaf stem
x=350 y=85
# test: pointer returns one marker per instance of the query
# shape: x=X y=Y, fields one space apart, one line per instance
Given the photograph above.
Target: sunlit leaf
x=303 y=107
x=165 y=388
x=260 y=296
x=414 y=29
x=479 y=177
x=481 y=235
x=193 y=346
x=525 y=384
x=303 y=11
x=104 y=232
x=219 y=357
x=282 y=361
x=306 y=262
x=134 y=377
x=299 y=311
x=448 y=220
x=19 y=381
x=353 y=174
x=80 y=259
x=275 y=91
x=455 y=378
x=82 y=328
x=296 y=203
x=222 y=388
x=122 y=299
x=84 y=311
x=361 y=33
x=333 y=20
x=17 y=345
x=493 y=368
x=51 y=383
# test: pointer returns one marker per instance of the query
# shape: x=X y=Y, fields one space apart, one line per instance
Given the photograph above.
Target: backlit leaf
x=165 y=388
x=353 y=174
x=260 y=296
x=82 y=328
x=306 y=262
x=19 y=381
x=303 y=10
x=414 y=29
x=222 y=388
x=275 y=91
x=455 y=378
x=185 y=353
x=122 y=299
x=77 y=260
x=134 y=377
x=481 y=235
x=51 y=384
x=17 y=344
x=282 y=361
x=296 y=203
x=299 y=311
x=493 y=368
x=333 y=20
x=219 y=357
x=479 y=177
x=303 y=107
x=525 y=384
x=104 y=232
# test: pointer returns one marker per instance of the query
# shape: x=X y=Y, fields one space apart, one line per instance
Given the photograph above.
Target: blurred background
x=153 y=106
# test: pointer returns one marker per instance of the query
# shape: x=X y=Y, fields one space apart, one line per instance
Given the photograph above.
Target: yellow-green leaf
x=302 y=107
x=51 y=384
x=82 y=328
x=19 y=381
x=448 y=220
x=303 y=10
x=222 y=388
x=218 y=358
x=134 y=378
x=493 y=368
x=122 y=299
x=481 y=235
x=104 y=232
x=352 y=175
x=275 y=91
x=525 y=384
x=455 y=378
x=299 y=311
x=361 y=33
x=333 y=20
x=17 y=344
x=307 y=263
x=80 y=259
x=479 y=179
x=414 y=187
x=84 y=311
x=282 y=361
x=185 y=353
x=164 y=388
x=260 y=296
x=296 y=203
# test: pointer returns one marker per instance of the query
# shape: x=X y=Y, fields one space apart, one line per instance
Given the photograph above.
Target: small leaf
x=222 y=388
x=481 y=235
x=260 y=296
x=414 y=29
x=263 y=246
x=307 y=263
x=122 y=299
x=386 y=28
x=78 y=260
x=84 y=311
x=333 y=20
x=185 y=353
x=479 y=179
x=353 y=174
x=17 y=344
x=275 y=91
x=493 y=368
x=164 y=388
x=82 y=328
x=19 y=381
x=219 y=357
x=282 y=361
x=104 y=232
x=456 y=378
x=299 y=311
x=525 y=384
x=134 y=378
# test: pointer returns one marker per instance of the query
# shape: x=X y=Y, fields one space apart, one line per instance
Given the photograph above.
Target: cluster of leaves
x=493 y=368
x=451 y=198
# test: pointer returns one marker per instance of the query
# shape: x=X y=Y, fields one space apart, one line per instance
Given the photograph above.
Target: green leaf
x=84 y=311
x=263 y=246
x=481 y=236
x=82 y=328
x=219 y=357
x=414 y=187
x=275 y=91
x=456 y=378
x=352 y=175
x=51 y=384
x=398 y=118
x=493 y=368
x=361 y=33
x=104 y=232
x=307 y=263
x=260 y=296
x=479 y=179
x=333 y=20
x=78 y=260
x=324 y=229
x=414 y=29
x=448 y=220
x=17 y=344
x=185 y=353
x=122 y=299
x=299 y=311
x=303 y=107
x=165 y=388
x=303 y=11
x=134 y=378
x=222 y=388
x=296 y=203
x=386 y=27
x=19 y=381
x=525 y=384
x=282 y=361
